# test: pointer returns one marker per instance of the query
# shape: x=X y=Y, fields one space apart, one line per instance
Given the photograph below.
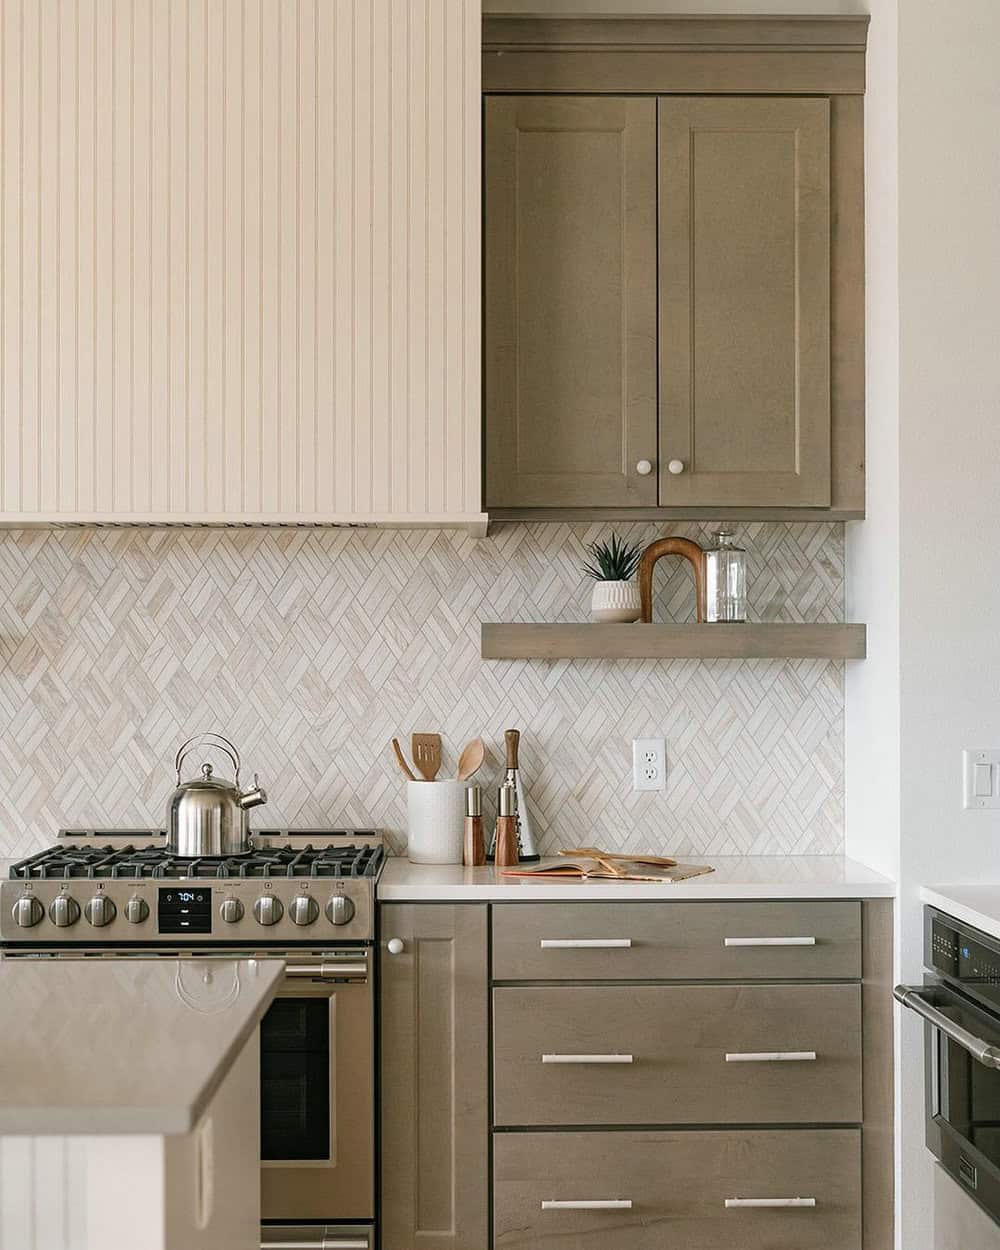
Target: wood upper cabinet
x=708 y=174
x=744 y=265
x=434 y=1090
x=570 y=301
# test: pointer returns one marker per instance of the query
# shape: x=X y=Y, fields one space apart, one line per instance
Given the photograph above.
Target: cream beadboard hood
x=240 y=264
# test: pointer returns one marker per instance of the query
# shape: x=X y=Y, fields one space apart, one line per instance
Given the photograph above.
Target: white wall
x=949 y=396
x=930 y=549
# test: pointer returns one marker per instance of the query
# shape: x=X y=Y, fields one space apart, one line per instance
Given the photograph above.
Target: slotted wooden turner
x=426 y=751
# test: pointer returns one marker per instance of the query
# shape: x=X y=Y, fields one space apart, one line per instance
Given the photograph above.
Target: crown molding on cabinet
x=675 y=53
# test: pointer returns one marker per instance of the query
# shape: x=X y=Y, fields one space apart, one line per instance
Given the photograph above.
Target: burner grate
x=132 y=862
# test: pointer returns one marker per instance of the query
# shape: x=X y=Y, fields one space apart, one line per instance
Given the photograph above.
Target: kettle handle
x=220 y=743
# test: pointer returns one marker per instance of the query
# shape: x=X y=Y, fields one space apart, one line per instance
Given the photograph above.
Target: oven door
x=962 y=1061
x=317 y=1091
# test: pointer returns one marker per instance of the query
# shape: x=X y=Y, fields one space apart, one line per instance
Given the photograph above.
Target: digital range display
x=185 y=911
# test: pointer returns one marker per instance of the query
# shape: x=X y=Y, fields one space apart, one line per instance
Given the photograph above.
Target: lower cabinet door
x=782 y=1189
x=434 y=1097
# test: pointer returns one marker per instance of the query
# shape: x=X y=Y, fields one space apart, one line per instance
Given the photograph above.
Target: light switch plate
x=649 y=764
x=981 y=780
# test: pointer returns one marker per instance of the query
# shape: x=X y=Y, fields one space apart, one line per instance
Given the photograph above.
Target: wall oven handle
x=320 y=1243
x=913 y=996
x=326 y=971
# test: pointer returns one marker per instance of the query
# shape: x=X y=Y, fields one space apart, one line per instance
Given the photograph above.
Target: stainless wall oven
x=959 y=1002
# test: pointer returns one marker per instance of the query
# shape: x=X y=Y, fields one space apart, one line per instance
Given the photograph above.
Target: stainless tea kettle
x=207 y=816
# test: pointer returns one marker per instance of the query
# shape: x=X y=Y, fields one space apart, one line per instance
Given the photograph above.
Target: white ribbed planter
x=615 y=601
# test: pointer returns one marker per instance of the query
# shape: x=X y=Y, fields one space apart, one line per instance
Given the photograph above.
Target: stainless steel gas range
x=305 y=896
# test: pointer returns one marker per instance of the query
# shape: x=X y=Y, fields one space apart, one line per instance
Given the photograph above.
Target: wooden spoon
x=401 y=760
x=426 y=749
x=471 y=759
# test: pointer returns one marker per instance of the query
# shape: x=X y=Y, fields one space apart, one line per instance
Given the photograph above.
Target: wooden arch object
x=687 y=550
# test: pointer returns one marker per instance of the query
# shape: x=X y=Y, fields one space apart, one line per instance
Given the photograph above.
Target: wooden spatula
x=426 y=751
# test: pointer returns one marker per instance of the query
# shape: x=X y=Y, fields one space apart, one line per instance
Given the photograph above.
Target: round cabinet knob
x=231 y=910
x=27 y=911
x=676 y=466
x=268 y=910
x=303 y=909
x=100 y=911
x=644 y=468
x=394 y=946
x=339 y=910
x=136 y=910
x=64 y=911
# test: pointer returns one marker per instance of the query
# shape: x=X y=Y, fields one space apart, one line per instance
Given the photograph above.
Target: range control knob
x=27 y=911
x=64 y=911
x=339 y=910
x=100 y=911
x=231 y=910
x=268 y=909
x=303 y=909
x=136 y=910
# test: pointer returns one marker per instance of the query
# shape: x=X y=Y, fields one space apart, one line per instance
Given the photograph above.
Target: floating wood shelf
x=537 y=641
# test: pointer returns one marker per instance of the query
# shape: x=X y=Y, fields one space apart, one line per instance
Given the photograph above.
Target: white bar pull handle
x=776 y=941
x=568 y=944
x=321 y=1243
x=588 y=1204
x=733 y=1203
x=772 y=1056
x=586 y=1059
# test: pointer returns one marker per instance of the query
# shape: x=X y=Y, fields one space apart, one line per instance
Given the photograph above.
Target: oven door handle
x=326 y=971
x=914 y=997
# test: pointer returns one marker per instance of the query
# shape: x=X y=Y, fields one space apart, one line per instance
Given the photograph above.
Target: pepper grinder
x=505 y=840
x=474 y=852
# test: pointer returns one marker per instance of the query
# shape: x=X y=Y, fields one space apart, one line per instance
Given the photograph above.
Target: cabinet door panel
x=570 y=301
x=744 y=264
x=434 y=1078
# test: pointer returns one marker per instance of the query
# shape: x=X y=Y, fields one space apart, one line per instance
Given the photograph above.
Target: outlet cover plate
x=981 y=780
x=649 y=764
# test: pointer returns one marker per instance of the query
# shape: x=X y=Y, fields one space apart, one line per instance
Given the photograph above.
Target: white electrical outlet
x=649 y=764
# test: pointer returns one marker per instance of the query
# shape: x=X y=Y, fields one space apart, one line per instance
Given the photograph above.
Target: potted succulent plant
x=615 y=596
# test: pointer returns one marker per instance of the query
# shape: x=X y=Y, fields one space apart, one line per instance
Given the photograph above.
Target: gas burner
x=132 y=862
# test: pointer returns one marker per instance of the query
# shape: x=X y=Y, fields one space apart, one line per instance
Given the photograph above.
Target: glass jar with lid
x=725 y=579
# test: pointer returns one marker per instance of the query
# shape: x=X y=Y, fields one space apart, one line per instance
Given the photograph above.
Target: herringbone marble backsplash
x=312 y=648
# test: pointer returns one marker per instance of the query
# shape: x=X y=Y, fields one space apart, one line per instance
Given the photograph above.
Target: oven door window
x=295 y=1079
x=969 y=1092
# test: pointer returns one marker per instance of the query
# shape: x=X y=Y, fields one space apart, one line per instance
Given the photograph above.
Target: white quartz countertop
x=743 y=876
x=978 y=905
x=122 y=1045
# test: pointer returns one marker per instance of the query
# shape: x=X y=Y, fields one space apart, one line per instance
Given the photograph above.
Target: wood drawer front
x=678 y=1038
x=676 y=941
x=678 y=1184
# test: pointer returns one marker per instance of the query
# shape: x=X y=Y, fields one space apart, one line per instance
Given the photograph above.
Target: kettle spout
x=255 y=797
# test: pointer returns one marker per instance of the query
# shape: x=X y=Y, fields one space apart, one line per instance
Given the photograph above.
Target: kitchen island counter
x=123 y=1046
x=735 y=877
